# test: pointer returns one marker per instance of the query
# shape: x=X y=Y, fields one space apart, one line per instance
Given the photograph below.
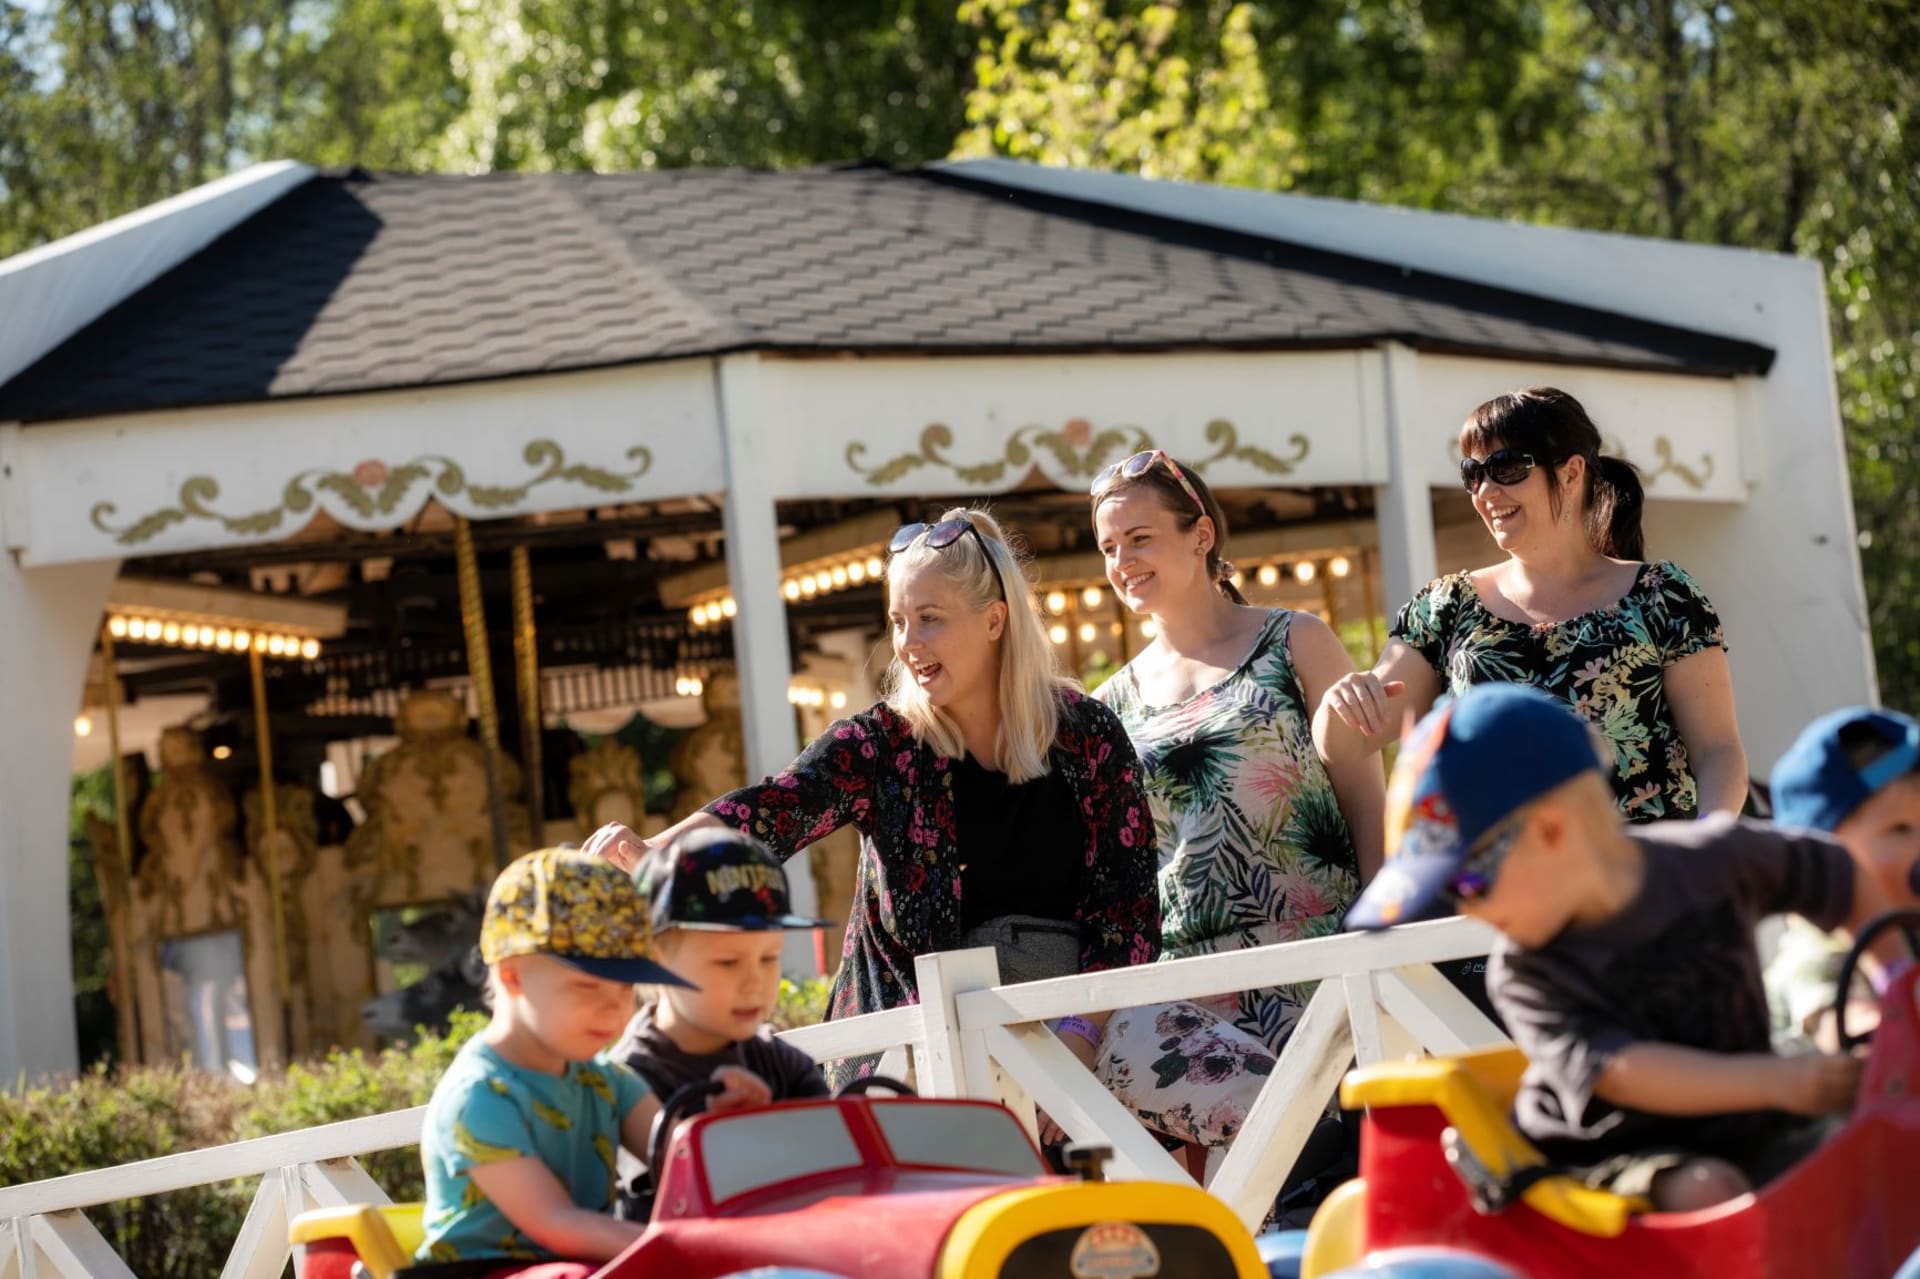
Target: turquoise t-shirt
x=488 y=1110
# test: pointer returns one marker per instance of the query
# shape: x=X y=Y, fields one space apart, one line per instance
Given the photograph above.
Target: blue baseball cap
x=1814 y=785
x=1468 y=766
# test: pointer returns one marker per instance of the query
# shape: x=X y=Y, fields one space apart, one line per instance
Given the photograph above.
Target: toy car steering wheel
x=1908 y=922
x=686 y=1099
x=864 y=1085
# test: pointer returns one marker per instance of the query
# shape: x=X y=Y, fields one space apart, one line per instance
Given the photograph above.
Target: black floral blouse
x=1608 y=664
x=867 y=771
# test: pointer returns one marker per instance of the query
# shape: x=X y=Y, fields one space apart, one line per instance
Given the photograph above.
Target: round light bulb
x=791 y=588
x=223 y=752
x=838 y=700
x=276 y=645
x=1339 y=566
x=82 y=726
x=1268 y=575
x=823 y=580
x=170 y=633
x=242 y=641
x=840 y=575
x=1304 y=571
x=1057 y=633
x=310 y=649
x=856 y=572
x=1087 y=632
x=807 y=587
x=875 y=566
x=117 y=627
x=223 y=638
x=1092 y=597
x=729 y=607
x=1056 y=601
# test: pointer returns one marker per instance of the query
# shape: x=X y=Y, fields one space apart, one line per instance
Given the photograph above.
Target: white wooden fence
x=1379 y=996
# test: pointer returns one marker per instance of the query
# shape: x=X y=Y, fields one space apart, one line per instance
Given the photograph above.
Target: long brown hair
x=1163 y=484
x=1553 y=426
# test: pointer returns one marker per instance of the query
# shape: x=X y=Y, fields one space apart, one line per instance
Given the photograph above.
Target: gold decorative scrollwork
x=1078 y=451
x=1694 y=478
x=370 y=490
x=1225 y=437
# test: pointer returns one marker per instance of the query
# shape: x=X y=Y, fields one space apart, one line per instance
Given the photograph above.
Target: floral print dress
x=1253 y=850
x=867 y=771
x=1609 y=664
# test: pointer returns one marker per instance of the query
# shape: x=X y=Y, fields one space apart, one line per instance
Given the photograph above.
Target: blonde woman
x=996 y=803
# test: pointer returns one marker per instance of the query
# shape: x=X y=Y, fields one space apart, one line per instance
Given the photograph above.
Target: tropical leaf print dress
x=1253 y=850
x=1609 y=664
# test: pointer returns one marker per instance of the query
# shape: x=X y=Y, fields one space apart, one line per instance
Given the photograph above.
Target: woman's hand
x=1361 y=701
x=618 y=844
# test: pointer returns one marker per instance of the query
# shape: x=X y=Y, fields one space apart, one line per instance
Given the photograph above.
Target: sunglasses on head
x=1477 y=873
x=1503 y=467
x=1139 y=464
x=942 y=535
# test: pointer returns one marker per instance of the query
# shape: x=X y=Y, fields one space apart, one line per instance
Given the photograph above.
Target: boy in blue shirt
x=521 y=1135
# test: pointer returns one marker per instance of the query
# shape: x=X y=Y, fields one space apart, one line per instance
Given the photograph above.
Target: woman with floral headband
x=1259 y=841
x=997 y=804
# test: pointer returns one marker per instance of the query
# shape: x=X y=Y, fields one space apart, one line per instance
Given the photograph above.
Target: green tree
x=1788 y=126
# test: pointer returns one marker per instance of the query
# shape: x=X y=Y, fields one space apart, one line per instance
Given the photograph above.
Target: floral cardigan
x=867 y=770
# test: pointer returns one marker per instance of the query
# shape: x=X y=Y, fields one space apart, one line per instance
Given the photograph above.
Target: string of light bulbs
x=173 y=633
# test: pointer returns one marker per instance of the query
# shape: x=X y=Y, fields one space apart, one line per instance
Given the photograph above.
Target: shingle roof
x=356 y=283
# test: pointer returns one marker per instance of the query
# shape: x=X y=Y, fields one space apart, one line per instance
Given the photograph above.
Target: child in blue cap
x=1855 y=775
x=1627 y=970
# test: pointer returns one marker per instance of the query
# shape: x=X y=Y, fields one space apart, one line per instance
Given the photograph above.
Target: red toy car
x=864 y=1188
x=1444 y=1186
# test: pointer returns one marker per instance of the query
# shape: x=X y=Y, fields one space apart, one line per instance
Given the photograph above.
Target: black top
x=667 y=1067
x=1022 y=847
x=1678 y=966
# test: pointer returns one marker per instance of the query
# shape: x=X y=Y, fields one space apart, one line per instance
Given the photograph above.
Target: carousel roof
x=357 y=282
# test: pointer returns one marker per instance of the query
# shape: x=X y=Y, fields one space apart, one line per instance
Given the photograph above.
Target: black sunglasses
x=942 y=535
x=1503 y=467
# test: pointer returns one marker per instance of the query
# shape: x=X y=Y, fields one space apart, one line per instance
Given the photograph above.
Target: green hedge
x=117 y=1117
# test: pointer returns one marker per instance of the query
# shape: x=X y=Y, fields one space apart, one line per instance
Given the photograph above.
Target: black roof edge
x=907 y=350
x=1709 y=353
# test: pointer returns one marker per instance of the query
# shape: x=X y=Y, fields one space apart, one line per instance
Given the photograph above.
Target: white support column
x=51 y=616
x=1408 y=557
x=953 y=1061
x=761 y=653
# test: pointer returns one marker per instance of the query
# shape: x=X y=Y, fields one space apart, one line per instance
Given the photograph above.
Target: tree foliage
x=1787 y=125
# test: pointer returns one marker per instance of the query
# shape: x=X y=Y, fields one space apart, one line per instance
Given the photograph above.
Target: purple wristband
x=1078 y=1026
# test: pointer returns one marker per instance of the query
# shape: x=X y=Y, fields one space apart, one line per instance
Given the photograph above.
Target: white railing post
x=1291 y=1103
x=953 y=1061
x=260 y=1250
x=68 y=1242
x=1363 y=1012
x=11 y=1264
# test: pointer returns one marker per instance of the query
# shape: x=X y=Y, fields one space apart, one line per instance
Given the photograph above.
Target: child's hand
x=618 y=844
x=744 y=1091
x=1816 y=1084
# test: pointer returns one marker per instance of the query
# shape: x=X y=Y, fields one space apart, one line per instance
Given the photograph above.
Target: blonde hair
x=984 y=570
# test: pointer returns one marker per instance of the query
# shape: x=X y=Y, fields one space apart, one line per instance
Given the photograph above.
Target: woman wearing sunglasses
x=1634 y=647
x=997 y=804
x=1257 y=838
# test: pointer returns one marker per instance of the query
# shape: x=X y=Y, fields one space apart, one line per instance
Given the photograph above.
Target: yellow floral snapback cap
x=577 y=907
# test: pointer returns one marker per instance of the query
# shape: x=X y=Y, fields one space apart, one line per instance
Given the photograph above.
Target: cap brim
x=633 y=971
x=748 y=924
x=1403 y=889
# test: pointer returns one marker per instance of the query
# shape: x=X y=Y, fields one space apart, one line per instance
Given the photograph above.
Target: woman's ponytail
x=1613 y=515
x=1223 y=577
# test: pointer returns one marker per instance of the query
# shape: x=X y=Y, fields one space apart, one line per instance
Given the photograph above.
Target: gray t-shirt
x=1677 y=966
